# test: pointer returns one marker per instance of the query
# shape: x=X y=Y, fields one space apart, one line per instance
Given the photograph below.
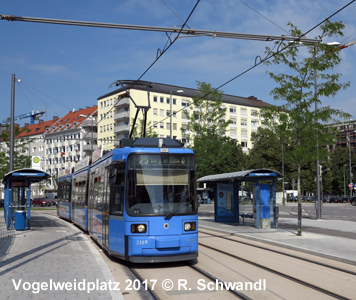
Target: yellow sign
x=36 y=162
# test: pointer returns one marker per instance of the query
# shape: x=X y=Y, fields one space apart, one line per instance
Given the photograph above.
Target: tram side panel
x=64 y=207
x=80 y=198
x=98 y=212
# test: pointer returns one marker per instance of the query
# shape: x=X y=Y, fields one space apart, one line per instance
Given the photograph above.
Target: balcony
x=122 y=128
x=89 y=122
x=89 y=148
x=122 y=102
x=122 y=115
x=88 y=136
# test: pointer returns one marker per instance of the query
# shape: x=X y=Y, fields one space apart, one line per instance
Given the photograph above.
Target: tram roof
x=242 y=175
x=21 y=174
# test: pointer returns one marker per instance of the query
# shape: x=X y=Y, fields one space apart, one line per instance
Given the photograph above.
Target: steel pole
x=318 y=207
x=12 y=123
x=170 y=118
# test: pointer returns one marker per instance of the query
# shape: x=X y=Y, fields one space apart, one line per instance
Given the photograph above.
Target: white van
x=52 y=197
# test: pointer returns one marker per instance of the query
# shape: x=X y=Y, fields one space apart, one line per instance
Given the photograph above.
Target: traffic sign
x=351 y=185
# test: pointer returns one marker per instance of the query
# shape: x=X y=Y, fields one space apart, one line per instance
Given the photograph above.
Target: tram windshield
x=160 y=184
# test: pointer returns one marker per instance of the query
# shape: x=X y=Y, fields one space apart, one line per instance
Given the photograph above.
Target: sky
x=65 y=67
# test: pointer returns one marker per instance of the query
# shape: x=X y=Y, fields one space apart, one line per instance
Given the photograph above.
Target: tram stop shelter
x=18 y=196
x=230 y=205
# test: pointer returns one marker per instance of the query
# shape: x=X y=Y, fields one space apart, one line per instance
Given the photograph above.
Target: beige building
x=116 y=111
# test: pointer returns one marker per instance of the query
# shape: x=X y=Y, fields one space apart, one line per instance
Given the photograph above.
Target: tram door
x=105 y=209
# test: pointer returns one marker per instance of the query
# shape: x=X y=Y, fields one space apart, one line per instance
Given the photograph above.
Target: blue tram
x=141 y=201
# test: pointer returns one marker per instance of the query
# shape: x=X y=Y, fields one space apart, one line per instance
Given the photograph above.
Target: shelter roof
x=34 y=174
x=242 y=175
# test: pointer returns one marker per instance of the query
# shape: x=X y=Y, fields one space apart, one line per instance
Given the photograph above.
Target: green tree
x=340 y=169
x=266 y=151
x=215 y=153
x=21 y=145
x=137 y=132
x=310 y=79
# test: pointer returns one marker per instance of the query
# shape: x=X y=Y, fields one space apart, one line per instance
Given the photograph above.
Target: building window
x=155 y=112
x=184 y=115
x=243 y=123
x=174 y=101
x=155 y=99
x=168 y=113
x=161 y=125
x=185 y=103
x=161 y=99
x=232 y=110
x=161 y=112
x=155 y=124
x=168 y=126
x=168 y=100
x=244 y=144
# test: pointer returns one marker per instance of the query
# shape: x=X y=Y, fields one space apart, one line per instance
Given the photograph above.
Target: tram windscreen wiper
x=167 y=217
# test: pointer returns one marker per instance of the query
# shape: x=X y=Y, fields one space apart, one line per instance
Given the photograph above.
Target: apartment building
x=117 y=109
x=70 y=139
x=345 y=134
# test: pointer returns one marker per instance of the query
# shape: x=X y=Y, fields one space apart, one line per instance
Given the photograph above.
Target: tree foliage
x=308 y=80
x=215 y=153
x=21 y=159
x=137 y=132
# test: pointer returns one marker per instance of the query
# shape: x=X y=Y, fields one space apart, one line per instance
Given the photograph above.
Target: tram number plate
x=142 y=242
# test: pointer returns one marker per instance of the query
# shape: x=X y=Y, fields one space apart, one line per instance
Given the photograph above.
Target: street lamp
x=92 y=128
x=12 y=123
x=171 y=113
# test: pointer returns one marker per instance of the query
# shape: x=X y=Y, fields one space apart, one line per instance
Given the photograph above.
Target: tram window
x=117 y=194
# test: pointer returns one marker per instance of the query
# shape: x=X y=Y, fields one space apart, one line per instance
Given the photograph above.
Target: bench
x=247 y=216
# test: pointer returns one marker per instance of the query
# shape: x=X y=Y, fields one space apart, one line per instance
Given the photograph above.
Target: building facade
x=70 y=139
x=345 y=135
x=117 y=109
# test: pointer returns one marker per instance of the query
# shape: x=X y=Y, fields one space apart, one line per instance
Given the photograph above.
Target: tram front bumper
x=162 y=245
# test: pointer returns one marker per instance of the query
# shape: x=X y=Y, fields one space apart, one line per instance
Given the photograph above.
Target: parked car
x=309 y=198
x=335 y=199
x=41 y=202
x=353 y=201
x=345 y=199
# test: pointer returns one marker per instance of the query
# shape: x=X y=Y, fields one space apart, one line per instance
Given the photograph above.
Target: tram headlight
x=138 y=228
x=190 y=226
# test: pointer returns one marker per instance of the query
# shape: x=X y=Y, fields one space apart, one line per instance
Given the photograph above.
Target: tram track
x=191 y=274
x=269 y=268
x=280 y=252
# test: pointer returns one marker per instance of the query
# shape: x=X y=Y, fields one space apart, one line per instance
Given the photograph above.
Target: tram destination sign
x=151 y=160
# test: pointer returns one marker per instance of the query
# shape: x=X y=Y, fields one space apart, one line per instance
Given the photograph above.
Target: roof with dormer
x=72 y=120
x=35 y=129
